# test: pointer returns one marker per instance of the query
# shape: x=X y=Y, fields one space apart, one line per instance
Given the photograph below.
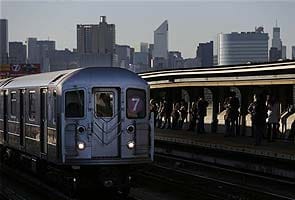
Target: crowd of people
x=174 y=115
x=264 y=111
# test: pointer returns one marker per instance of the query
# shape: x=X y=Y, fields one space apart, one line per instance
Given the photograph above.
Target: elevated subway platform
x=284 y=150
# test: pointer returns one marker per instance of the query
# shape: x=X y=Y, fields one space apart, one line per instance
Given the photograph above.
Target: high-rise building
x=284 y=52
x=276 y=50
x=205 y=54
x=141 y=59
x=242 y=48
x=33 y=50
x=160 y=51
x=274 y=54
x=276 y=38
x=124 y=55
x=3 y=41
x=293 y=52
x=96 y=38
x=144 y=47
x=39 y=52
x=17 y=53
x=175 y=60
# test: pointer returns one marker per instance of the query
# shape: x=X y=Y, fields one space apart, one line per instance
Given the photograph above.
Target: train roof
x=102 y=75
x=3 y=81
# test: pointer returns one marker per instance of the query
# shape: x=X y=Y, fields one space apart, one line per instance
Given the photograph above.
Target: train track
x=219 y=182
x=22 y=185
x=19 y=185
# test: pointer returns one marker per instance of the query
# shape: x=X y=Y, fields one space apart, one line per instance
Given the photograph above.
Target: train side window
x=52 y=107
x=54 y=110
x=136 y=103
x=32 y=105
x=13 y=104
x=74 y=104
x=1 y=104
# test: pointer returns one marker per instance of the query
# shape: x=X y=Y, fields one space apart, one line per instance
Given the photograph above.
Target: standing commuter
x=232 y=105
x=154 y=109
x=175 y=115
x=183 y=113
x=194 y=113
x=273 y=117
x=166 y=110
x=258 y=111
x=202 y=105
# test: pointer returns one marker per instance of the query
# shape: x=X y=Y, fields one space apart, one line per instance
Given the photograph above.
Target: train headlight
x=131 y=144
x=130 y=129
x=80 y=129
x=81 y=145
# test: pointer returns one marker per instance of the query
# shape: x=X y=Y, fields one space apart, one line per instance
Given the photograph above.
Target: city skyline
x=190 y=23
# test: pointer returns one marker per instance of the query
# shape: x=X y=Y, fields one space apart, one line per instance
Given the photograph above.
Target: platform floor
x=244 y=144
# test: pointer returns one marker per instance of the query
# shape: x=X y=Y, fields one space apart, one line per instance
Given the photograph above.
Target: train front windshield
x=136 y=104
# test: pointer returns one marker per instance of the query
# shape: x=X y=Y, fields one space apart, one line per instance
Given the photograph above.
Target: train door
x=5 y=100
x=43 y=121
x=21 y=117
x=106 y=123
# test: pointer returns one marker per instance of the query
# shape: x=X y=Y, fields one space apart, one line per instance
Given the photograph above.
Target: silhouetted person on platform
x=258 y=111
x=273 y=117
x=183 y=113
x=231 y=117
x=194 y=113
x=202 y=105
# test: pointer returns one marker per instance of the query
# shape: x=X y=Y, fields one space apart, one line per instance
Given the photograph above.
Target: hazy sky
x=190 y=22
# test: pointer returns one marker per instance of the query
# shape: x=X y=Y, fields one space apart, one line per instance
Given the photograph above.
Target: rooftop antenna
x=276 y=23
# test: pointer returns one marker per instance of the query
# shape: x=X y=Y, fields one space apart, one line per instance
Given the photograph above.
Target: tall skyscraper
x=3 y=41
x=293 y=52
x=17 y=53
x=276 y=50
x=33 y=51
x=276 y=38
x=205 y=54
x=96 y=38
x=244 y=47
x=160 y=51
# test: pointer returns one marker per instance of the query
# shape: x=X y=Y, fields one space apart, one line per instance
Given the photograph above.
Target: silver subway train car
x=92 y=121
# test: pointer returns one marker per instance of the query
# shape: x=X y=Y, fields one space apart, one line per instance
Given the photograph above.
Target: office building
x=205 y=54
x=293 y=52
x=144 y=47
x=17 y=53
x=276 y=38
x=274 y=54
x=160 y=50
x=141 y=59
x=3 y=41
x=241 y=48
x=276 y=50
x=175 y=60
x=124 y=55
x=96 y=38
x=39 y=52
x=284 y=52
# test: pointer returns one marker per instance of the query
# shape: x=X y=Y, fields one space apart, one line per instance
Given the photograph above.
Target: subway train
x=91 y=123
